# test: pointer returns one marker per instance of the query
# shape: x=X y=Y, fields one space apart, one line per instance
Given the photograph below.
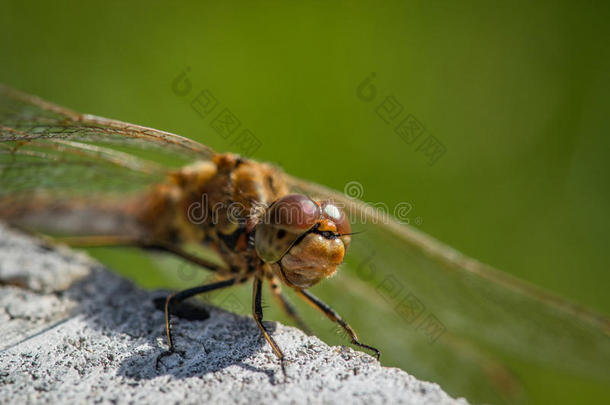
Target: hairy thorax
x=216 y=202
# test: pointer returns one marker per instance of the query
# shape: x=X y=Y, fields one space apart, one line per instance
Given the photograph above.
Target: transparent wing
x=53 y=160
x=66 y=168
x=468 y=326
x=26 y=117
x=44 y=146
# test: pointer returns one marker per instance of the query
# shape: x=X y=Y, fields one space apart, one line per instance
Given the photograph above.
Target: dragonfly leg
x=276 y=290
x=333 y=316
x=181 y=296
x=96 y=240
x=118 y=240
x=176 y=250
x=257 y=312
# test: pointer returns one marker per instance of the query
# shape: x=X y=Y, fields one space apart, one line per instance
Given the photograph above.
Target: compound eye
x=332 y=212
x=294 y=213
x=286 y=220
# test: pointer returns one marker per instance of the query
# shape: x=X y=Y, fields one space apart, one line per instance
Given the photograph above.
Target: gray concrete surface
x=73 y=332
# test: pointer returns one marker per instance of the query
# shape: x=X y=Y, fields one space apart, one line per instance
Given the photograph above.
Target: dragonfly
x=106 y=182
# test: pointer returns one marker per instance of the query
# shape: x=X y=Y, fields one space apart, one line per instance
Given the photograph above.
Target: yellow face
x=304 y=240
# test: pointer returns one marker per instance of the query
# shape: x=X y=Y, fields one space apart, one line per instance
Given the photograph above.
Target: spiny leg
x=181 y=296
x=118 y=240
x=176 y=250
x=276 y=290
x=333 y=316
x=257 y=312
x=112 y=240
x=97 y=240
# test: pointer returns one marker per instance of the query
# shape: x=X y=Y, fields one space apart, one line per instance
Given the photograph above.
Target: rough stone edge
x=75 y=332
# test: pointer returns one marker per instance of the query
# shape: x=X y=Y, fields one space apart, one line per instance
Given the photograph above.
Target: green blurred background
x=516 y=93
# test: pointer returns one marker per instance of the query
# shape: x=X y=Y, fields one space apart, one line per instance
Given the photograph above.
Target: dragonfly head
x=303 y=239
